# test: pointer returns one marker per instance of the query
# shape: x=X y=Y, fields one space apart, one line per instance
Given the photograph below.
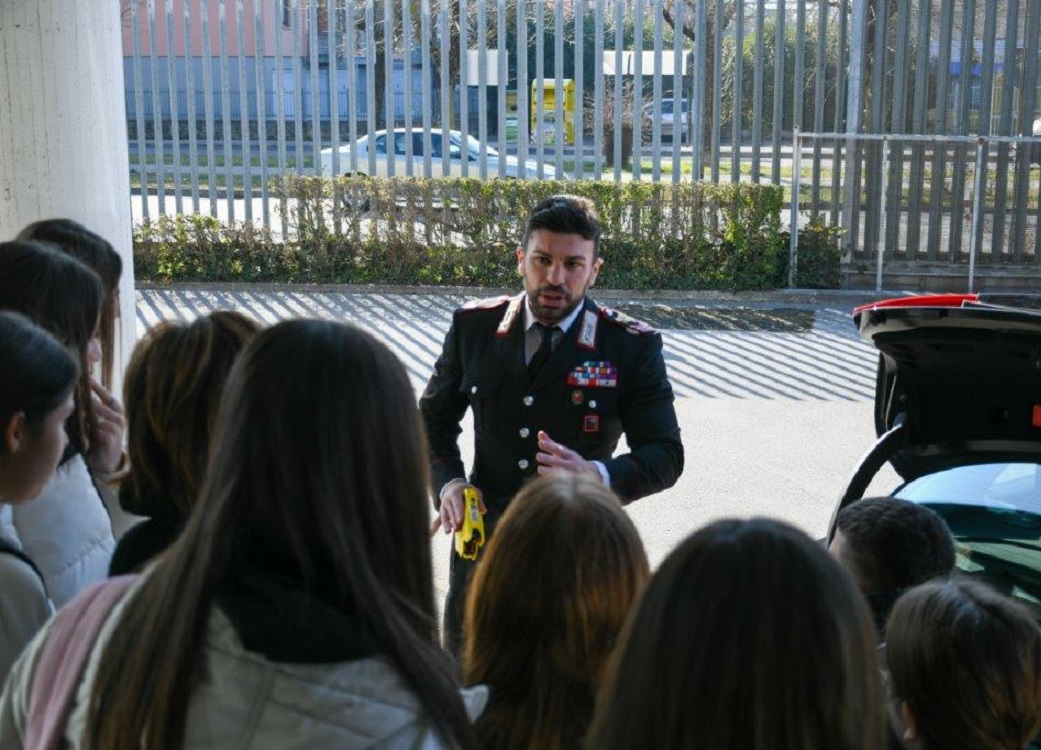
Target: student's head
x=559 y=256
x=749 y=636
x=171 y=393
x=37 y=379
x=63 y=296
x=96 y=253
x=318 y=478
x=889 y=544
x=545 y=608
x=964 y=666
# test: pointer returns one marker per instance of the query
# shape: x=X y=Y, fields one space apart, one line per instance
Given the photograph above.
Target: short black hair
x=565 y=214
x=893 y=544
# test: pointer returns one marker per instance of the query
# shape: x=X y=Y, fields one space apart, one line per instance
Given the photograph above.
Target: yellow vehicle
x=470 y=538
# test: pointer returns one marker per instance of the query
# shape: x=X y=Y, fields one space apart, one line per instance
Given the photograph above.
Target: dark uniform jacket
x=605 y=377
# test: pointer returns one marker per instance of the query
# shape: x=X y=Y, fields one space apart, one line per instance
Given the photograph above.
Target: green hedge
x=463 y=232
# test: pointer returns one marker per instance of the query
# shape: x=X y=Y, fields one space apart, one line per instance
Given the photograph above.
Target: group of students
x=272 y=511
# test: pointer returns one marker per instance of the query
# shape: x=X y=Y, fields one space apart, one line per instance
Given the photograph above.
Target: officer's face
x=557 y=271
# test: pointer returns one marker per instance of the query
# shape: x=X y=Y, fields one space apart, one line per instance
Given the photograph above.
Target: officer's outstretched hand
x=553 y=455
x=451 y=516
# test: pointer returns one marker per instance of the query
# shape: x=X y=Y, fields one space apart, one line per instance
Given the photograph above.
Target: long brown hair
x=967 y=661
x=545 y=608
x=63 y=296
x=749 y=636
x=97 y=253
x=319 y=457
x=171 y=393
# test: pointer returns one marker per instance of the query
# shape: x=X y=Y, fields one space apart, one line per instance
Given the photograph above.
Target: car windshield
x=473 y=145
x=994 y=513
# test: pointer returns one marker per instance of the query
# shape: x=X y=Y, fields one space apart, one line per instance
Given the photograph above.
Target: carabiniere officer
x=553 y=380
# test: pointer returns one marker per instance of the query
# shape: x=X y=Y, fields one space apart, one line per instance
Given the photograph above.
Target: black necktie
x=543 y=352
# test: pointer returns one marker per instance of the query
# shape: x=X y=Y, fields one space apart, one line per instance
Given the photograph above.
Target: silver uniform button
x=524 y=432
x=523 y=463
x=473 y=389
x=529 y=400
x=592 y=404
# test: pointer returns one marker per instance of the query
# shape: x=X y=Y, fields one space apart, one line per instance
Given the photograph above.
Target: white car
x=391 y=146
x=669 y=120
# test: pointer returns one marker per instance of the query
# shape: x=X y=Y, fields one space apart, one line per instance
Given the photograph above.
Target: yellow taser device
x=470 y=538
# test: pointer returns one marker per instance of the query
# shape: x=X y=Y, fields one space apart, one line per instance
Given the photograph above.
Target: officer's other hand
x=553 y=455
x=451 y=516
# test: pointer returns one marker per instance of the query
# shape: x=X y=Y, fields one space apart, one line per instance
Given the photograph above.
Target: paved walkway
x=760 y=349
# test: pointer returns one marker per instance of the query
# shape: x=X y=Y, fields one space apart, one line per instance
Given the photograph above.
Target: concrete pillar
x=63 y=136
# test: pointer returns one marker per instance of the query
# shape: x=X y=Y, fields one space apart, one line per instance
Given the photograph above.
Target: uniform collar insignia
x=508 y=318
x=587 y=332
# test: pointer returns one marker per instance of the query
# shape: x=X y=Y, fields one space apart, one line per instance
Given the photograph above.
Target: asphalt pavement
x=773 y=391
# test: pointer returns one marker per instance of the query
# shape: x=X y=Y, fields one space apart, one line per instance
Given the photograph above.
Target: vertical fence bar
x=370 y=85
x=158 y=135
x=656 y=107
x=245 y=116
x=558 y=99
x=298 y=86
x=977 y=205
x=139 y=111
x=335 y=115
x=880 y=236
x=316 y=91
x=819 y=100
x=799 y=83
x=227 y=147
x=873 y=149
x=580 y=96
x=778 y=111
x=390 y=115
x=279 y=88
x=717 y=90
x=939 y=161
x=259 y=76
x=1008 y=92
x=464 y=82
x=736 y=92
x=350 y=43
x=837 y=158
x=680 y=100
x=854 y=110
x=986 y=125
x=406 y=50
x=961 y=125
x=1027 y=110
x=523 y=84
x=598 y=92
x=699 y=95
x=504 y=81
x=637 y=89
x=793 y=223
x=482 y=87
x=446 y=85
x=918 y=125
x=618 y=89
x=757 y=90
x=189 y=86
x=538 y=131
x=175 y=116
x=898 y=124
x=425 y=30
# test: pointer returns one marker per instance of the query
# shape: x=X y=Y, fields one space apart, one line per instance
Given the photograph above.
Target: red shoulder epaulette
x=488 y=303
x=630 y=324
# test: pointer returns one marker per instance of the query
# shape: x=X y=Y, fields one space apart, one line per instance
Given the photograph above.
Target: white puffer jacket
x=248 y=702
x=66 y=530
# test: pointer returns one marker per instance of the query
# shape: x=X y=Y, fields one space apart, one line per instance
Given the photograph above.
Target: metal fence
x=776 y=91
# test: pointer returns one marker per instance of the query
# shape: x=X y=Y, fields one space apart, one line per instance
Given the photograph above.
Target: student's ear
x=520 y=260
x=910 y=726
x=14 y=432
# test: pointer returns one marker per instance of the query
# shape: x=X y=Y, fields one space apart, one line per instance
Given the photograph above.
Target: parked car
x=391 y=146
x=958 y=415
x=669 y=119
